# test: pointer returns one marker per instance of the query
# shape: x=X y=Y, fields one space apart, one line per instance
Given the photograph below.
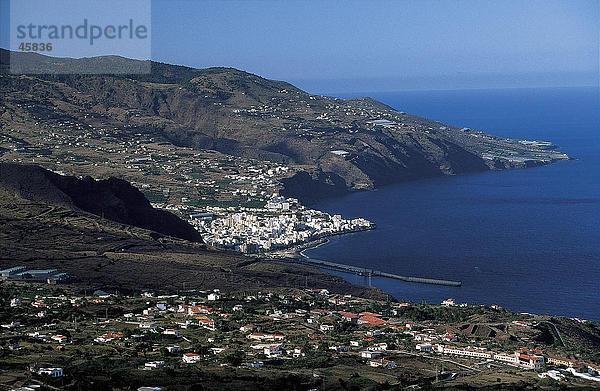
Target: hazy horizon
x=383 y=45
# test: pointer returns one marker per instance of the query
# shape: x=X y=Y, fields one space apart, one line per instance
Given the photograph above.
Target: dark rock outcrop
x=113 y=199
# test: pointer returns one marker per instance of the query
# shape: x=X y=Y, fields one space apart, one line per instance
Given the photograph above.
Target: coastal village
x=282 y=223
x=50 y=331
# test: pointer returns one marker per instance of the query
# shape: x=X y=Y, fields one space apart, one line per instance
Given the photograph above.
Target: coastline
x=297 y=251
x=487 y=274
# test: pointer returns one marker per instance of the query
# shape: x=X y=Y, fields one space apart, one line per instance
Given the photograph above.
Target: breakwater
x=372 y=273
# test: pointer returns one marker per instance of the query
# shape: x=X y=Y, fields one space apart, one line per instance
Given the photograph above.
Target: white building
x=273 y=351
x=382 y=363
x=154 y=364
x=467 y=352
x=449 y=302
x=214 y=296
x=507 y=358
x=378 y=347
x=173 y=332
x=59 y=338
x=191 y=358
x=424 y=347
x=531 y=361
x=370 y=354
x=52 y=372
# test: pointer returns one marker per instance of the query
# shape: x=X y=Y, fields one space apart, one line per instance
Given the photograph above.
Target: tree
x=235 y=358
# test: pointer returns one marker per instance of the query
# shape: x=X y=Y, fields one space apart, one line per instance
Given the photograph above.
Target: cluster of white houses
x=282 y=223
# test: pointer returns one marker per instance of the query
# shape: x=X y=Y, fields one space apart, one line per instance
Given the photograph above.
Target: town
x=50 y=332
x=282 y=223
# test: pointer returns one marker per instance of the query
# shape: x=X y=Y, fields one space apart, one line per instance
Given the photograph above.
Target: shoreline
x=321 y=243
x=510 y=166
x=297 y=251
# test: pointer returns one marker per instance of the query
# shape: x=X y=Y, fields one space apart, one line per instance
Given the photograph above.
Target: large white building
x=523 y=358
x=466 y=352
x=424 y=347
x=52 y=372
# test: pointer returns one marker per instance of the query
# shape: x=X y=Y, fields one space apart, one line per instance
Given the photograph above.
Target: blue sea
x=527 y=239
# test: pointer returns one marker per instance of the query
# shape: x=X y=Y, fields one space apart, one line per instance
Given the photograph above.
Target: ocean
x=527 y=239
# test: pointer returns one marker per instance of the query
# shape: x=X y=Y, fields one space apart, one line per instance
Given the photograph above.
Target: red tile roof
x=372 y=320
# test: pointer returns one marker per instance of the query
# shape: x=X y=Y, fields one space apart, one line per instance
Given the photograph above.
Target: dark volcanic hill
x=113 y=199
x=337 y=144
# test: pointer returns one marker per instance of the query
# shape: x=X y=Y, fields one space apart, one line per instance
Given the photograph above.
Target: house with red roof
x=349 y=316
x=371 y=320
x=206 y=322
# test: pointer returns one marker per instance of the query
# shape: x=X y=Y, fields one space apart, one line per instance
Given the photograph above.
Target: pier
x=373 y=273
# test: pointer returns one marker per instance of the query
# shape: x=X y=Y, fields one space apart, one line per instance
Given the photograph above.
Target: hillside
x=333 y=144
x=113 y=199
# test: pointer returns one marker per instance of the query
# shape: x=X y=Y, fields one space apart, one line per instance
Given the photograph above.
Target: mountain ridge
x=335 y=145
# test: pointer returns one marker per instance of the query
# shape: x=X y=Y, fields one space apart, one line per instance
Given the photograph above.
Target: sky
x=385 y=45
